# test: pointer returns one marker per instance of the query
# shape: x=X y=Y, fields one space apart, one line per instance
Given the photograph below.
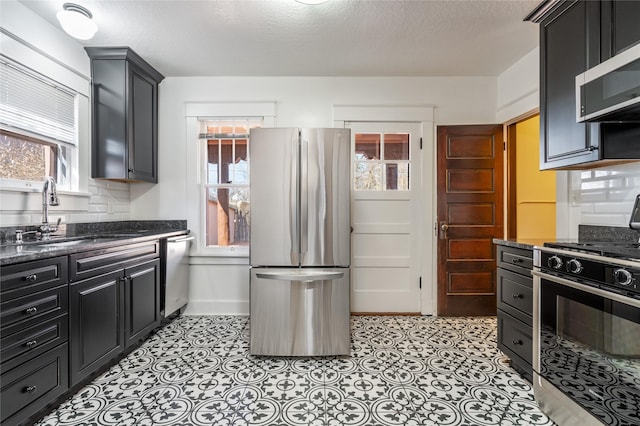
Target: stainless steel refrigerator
x=300 y=247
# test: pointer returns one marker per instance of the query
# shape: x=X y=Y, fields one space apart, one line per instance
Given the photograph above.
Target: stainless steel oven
x=586 y=340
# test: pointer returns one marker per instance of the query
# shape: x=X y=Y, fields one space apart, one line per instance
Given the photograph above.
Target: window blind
x=32 y=103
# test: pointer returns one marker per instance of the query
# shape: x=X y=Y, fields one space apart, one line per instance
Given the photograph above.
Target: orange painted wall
x=536 y=190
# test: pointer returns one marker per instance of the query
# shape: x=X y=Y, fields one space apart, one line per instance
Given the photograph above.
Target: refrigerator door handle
x=300 y=275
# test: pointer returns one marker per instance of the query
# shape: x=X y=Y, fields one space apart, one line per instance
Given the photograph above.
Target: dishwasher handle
x=181 y=239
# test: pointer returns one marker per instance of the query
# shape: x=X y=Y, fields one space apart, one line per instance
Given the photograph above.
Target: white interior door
x=386 y=217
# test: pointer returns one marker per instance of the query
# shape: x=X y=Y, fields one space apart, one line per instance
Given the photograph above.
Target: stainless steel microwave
x=610 y=91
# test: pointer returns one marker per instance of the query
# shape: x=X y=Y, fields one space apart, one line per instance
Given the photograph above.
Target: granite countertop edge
x=13 y=253
x=521 y=244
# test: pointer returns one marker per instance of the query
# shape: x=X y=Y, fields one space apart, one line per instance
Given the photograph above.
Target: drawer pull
x=31 y=344
x=31 y=278
x=516 y=260
x=517 y=296
x=30 y=311
x=31 y=389
x=517 y=342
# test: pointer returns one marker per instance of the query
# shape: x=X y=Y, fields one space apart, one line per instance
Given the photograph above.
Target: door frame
x=422 y=114
x=510 y=202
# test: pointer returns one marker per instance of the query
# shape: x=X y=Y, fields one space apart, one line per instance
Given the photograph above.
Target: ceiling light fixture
x=77 y=21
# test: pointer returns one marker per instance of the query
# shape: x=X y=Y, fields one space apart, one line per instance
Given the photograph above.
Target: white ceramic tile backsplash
x=607 y=194
x=108 y=201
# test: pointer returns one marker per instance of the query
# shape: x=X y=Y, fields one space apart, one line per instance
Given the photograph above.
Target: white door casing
x=419 y=253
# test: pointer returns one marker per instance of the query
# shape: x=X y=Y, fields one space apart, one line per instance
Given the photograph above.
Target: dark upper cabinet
x=572 y=36
x=124 y=115
x=620 y=26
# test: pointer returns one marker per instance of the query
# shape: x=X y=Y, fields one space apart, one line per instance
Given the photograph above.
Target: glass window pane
x=227 y=216
x=396 y=146
x=397 y=176
x=26 y=158
x=239 y=168
x=213 y=147
x=368 y=146
x=368 y=176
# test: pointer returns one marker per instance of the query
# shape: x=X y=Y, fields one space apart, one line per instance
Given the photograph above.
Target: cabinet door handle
x=31 y=344
x=30 y=311
x=31 y=389
x=31 y=278
x=517 y=296
x=517 y=342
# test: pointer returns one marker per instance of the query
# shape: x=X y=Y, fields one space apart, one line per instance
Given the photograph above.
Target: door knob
x=443 y=230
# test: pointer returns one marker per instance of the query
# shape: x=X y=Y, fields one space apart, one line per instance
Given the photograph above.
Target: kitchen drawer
x=515 y=295
x=19 y=347
x=31 y=386
x=23 y=279
x=98 y=262
x=515 y=340
x=515 y=259
x=17 y=314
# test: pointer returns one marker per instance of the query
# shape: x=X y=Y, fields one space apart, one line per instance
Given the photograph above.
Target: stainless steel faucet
x=49 y=198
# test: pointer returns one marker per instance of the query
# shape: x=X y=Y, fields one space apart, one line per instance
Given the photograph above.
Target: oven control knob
x=622 y=277
x=574 y=266
x=554 y=262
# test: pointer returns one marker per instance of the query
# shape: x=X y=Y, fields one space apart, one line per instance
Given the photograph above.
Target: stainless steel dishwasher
x=176 y=274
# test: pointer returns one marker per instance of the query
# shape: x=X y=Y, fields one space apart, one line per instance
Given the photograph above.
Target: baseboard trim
x=217 y=307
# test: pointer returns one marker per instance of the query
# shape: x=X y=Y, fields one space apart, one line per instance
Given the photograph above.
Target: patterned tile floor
x=402 y=371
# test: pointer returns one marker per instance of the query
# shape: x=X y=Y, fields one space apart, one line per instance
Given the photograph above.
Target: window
x=37 y=128
x=381 y=161
x=225 y=189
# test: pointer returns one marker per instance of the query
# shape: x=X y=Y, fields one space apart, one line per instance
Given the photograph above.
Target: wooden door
x=470 y=215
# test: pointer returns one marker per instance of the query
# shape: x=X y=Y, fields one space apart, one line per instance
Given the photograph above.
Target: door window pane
x=382 y=162
x=368 y=176
x=397 y=176
x=396 y=146
x=368 y=146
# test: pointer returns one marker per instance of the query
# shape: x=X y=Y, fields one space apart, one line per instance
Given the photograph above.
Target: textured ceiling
x=337 y=38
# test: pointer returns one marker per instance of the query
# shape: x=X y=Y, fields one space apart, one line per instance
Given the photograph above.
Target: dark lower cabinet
x=515 y=307
x=113 y=309
x=34 y=355
x=96 y=323
x=34 y=385
x=142 y=300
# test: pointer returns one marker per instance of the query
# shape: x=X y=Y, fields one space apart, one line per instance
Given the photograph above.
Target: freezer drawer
x=300 y=312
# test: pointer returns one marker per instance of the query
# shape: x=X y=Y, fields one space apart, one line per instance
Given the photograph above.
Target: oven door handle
x=588 y=289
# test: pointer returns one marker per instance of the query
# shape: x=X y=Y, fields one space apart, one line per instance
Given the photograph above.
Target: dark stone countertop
x=93 y=236
x=521 y=243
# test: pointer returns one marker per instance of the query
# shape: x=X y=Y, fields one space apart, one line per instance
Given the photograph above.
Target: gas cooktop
x=611 y=249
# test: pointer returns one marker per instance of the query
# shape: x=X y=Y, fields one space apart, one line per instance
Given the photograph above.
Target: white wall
x=519 y=88
x=45 y=48
x=220 y=285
